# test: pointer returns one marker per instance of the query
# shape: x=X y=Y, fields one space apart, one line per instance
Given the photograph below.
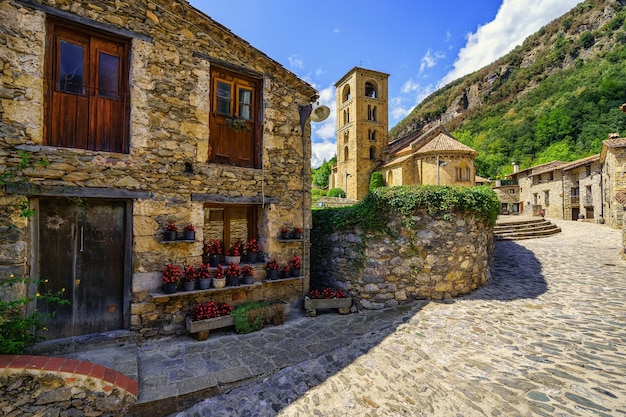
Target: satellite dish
x=319 y=113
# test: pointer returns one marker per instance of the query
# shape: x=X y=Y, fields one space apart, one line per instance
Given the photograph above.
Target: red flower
x=171 y=274
x=210 y=310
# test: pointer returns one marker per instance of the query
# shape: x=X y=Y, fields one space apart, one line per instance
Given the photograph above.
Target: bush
x=376 y=181
x=17 y=329
x=336 y=192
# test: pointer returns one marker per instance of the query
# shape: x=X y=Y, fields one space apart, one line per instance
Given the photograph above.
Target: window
x=546 y=198
x=345 y=95
x=371 y=134
x=233 y=121
x=346 y=137
x=462 y=172
x=511 y=191
x=345 y=153
x=372 y=152
x=371 y=113
x=86 y=87
x=228 y=223
x=370 y=90
x=587 y=170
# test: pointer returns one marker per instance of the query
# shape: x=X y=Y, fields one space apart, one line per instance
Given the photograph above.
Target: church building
x=432 y=157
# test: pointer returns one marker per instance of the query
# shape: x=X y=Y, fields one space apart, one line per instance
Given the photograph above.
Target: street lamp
x=440 y=164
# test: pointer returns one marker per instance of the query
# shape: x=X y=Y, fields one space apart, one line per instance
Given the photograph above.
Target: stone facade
x=362 y=126
x=435 y=259
x=165 y=175
x=613 y=160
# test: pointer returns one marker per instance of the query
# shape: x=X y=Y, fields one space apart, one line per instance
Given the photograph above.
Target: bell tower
x=362 y=127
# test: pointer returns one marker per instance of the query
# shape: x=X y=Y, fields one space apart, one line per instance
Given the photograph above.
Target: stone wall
x=172 y=49
x=48 y=386
x=435 y=259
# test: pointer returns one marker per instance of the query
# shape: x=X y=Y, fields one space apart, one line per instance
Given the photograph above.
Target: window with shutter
x=234 y=120
x=86 y=89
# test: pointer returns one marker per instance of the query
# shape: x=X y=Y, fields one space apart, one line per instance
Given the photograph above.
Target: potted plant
x=248 y=274
x=214 y=250
x=296 y=265
x=203 y=275
x=296 y=233
x=237 y=123
x=219 y=281
x=189 y=278
x=284 y=232
x=327 y=298
x=272 y=269
x=286 y=271
x=170 y=231
x=252 y=250
x=207 y=316
x=189 y=232
x=170 y=277
x=233 y=256
x=233 y=274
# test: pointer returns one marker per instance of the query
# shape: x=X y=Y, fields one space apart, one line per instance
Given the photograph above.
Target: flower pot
x=284 y=235
x=204 y=284
x=189 y=235
x=219 y=282
x=272 y=274
x=253 y=257
x=169 y=235
x=189 y=285
x=295 y=272
x=341 y=304
x=232 y=259
x=248 y=279
x=208 y=324
x=214 y=260
x=232 y=281
x=169 y=288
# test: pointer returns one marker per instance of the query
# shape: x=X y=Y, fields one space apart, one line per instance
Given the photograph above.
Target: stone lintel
x=224 y=199
x=72 y=191
x=71 y=17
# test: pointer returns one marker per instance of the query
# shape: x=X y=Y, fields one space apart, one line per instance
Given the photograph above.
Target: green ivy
x=242 y=320
x=371 y=213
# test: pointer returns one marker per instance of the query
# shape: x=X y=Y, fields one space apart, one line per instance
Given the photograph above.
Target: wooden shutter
x=86 y=90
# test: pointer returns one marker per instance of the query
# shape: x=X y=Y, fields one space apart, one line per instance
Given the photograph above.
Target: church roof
x=444 y=142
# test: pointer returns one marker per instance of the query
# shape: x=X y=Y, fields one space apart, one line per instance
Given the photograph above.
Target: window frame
x=251 y=217
x=231 y=146
x=101 y=122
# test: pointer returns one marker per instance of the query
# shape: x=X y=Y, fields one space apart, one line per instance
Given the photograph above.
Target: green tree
x=376 y=180
x=321 y=175
x=336 y=192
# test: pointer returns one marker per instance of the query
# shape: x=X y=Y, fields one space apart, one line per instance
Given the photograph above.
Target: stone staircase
x=528 y=228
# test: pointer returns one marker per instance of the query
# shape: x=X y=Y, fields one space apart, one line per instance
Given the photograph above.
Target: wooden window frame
x=252 y=219
x=95 y=129
x=227 y=145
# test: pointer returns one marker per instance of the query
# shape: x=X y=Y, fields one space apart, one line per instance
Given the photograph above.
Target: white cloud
x=409 y=86
x=514 y=22
x=430 y=60
x=323 y=134
x=296 y=61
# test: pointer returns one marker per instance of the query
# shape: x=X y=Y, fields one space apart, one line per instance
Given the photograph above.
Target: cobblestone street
x=546 y=337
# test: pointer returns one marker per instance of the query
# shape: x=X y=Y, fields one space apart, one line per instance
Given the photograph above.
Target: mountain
x=556 y=96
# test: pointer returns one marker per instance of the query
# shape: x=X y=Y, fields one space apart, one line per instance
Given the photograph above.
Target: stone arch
x=345 y=94
x=371 y=89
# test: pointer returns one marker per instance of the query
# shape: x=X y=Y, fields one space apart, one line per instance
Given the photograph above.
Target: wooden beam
x=72 y=191
x=224 y=199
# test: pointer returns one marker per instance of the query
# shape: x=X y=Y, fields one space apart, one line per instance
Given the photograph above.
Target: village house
x=119 y=117
x=584 y=189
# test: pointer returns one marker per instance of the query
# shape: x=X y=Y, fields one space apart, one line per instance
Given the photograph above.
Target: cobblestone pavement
x=546 y=337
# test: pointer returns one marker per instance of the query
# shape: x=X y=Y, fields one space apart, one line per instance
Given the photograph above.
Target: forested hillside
x=556 y=96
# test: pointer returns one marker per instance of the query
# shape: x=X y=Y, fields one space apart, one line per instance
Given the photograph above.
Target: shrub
x=336 y=192
x=376 y=181
x=17 y=328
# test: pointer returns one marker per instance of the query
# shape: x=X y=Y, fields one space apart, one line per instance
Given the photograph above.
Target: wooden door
x=82 y=250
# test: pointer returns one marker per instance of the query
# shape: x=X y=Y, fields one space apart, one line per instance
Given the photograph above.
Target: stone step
x=525 y=229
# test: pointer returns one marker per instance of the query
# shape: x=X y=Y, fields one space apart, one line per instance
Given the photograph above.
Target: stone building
x=431 y=157
x=361 y=97
x=118 y=117
x=582 y=189
x=613 y=162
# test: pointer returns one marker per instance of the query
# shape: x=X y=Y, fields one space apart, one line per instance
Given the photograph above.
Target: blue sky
x=422 y=44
